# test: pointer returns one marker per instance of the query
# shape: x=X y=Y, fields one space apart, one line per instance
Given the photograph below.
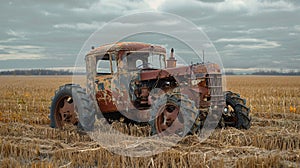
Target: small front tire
x=238 y=113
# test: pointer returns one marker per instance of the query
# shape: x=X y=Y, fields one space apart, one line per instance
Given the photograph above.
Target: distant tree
x=276 y=73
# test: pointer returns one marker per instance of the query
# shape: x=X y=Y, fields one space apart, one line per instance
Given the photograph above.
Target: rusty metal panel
x=126 y=46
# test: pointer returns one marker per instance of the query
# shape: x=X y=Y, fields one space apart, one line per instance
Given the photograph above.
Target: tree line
x=37 y=72
x=268 y=73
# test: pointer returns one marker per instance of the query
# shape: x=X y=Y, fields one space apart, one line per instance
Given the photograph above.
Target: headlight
x=225 y=110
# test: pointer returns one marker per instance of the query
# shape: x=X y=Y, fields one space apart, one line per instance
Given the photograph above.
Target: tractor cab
x=125 y=56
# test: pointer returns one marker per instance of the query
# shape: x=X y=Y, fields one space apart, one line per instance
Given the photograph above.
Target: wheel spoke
x=164 y=127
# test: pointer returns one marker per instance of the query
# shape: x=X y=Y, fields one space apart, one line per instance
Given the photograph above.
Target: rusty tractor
x=136 y=82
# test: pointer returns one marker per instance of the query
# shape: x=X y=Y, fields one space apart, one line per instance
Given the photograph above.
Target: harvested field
x=26 y=140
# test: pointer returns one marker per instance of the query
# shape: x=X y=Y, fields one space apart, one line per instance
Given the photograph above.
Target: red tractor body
x=136 y=81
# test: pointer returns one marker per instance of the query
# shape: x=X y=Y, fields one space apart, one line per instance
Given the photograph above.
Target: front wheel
x=237 y=113
x=71 y=105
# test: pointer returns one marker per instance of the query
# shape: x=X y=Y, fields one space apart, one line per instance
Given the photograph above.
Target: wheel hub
x=66 y=112
x=168 y=119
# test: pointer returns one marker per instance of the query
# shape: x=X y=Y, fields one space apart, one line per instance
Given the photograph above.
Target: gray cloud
x=253 y=33
x=247 y=43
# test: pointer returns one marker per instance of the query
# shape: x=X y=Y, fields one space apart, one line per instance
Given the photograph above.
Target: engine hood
x=197 y=70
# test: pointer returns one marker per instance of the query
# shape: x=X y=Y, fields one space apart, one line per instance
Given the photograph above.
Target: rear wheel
x=71 y=105
x=173 y=114
x=237 y=114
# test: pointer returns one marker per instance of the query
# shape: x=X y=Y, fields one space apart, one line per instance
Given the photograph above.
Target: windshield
x=144 y=60
x=106 y=66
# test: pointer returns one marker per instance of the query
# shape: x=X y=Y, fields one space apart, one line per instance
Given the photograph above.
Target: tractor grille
x=217 y=102
x=210 y=116
x=215 y=87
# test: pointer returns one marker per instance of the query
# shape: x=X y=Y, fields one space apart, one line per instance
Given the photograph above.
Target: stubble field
x=26 y=140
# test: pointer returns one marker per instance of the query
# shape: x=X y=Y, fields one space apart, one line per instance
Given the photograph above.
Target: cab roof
x=126 y=46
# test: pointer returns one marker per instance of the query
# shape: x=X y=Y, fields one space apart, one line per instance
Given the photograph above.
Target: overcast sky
x=248 y=34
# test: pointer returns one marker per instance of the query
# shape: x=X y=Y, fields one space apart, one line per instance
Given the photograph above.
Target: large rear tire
x=71 y=105
x=237 y=112
x=174 y=114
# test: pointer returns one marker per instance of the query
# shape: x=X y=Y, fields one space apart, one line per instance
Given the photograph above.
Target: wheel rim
x=65 y=112
x=232 y=120
x=169 y=120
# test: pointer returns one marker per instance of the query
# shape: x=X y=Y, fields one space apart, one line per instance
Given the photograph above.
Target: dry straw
x=26 y=140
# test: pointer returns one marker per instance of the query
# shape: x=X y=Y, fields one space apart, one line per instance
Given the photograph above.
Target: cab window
x=106 y=65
